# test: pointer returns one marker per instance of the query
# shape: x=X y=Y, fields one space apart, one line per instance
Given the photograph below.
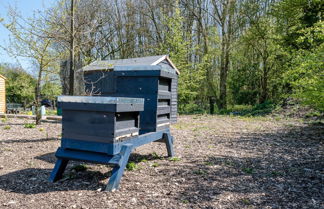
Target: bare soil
x=222 y=162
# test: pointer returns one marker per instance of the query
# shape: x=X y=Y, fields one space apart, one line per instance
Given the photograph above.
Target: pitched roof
x=1 y=76
x=109 y=64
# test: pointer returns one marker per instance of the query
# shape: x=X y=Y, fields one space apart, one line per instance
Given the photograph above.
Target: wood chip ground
x=222 y=162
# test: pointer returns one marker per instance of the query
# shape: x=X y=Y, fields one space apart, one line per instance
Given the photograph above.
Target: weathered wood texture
x=2 y=94
x=156 y=84
x=98 y=120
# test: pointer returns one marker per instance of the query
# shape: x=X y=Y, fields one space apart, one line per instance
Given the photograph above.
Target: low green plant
x=155 y=165
x=29 y=125
x=80 y=168
x=185 y=201
x=156 y=156
x=209 y=163
x=276 y=173
x=245 y=201
x=131 y=166
x=41 y=129
x=174 y=159
x=200 y=172
x=144 y=160
x=7 y=127
x=248 y=170
x=3 y=120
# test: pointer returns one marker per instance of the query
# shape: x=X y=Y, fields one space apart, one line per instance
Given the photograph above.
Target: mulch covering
x=222 y=162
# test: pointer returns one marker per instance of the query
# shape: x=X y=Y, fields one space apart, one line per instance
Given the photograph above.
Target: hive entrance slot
x=164 y=84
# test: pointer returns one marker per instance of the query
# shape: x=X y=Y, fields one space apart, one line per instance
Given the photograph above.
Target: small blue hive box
x=90 y=120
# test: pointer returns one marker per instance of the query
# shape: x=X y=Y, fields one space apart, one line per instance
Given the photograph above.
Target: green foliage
x=3 y=120
x=51 y=90
x=20 y=86
x=155 y=165
x=248 y=170
x=174 y=159
x=305 y=72
x=7 y=127
x=178 y=47
x=79 y=168
x=131 y=166
x=191 y=108
x=29 y=125
x=248 y=110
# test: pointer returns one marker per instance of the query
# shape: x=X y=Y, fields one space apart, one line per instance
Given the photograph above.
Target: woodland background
x=232 y=54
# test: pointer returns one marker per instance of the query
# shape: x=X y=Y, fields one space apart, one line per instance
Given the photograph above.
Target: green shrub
x=7 y=127
x=174 y=159
x=131 y=166
x=79 y=168
x=155 y=165
x=29 y=125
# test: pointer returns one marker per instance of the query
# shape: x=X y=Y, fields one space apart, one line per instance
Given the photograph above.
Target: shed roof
x=1 y=76
x=110 y=64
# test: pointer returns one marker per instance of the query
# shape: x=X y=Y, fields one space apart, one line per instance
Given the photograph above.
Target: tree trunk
x=223 y=74
x=211 y=105
x=71 y=76
x=264 y=83
x=226 y=43
x=38 y=96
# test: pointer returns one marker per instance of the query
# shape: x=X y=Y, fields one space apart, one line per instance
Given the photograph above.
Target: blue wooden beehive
x=98 y=123
x=153 y=78
x=137 y=102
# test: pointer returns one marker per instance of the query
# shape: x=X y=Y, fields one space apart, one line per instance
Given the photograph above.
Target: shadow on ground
x=35 y=180
x=285 y=170
x=28 y=140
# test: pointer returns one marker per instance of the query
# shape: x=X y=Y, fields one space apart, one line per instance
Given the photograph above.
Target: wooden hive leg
x=118 y=170
x=58 y=170
x=168 y=139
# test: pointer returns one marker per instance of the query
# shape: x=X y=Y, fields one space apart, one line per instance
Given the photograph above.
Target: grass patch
x=155 y=165
x=185 y=201
x=144 y=160
x=155 y=156
x=29 y=125
x=246 y=201
x=209 y=163
x=131 y=166
x=248 y=170
x=3 y=120
x=200 y=172
x=7 y=127
x=248 y=110
x=80 y=168
x=41 y=129
x=174 y=159
x=276 y=173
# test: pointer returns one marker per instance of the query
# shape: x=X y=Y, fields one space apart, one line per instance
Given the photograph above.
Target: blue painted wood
x=169 y=144
x=117 y=153
x=92 y=157
x=118 y=171
x=92 y=146
x=58 y=170
x=152 y=83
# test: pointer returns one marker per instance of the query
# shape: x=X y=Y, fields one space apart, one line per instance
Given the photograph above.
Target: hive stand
x=119 y=160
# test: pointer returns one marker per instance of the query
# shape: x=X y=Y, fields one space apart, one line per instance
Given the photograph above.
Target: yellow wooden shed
x=2 y=94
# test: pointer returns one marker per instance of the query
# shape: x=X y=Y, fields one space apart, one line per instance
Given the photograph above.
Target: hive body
x=157 y=85
x=104 y=120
